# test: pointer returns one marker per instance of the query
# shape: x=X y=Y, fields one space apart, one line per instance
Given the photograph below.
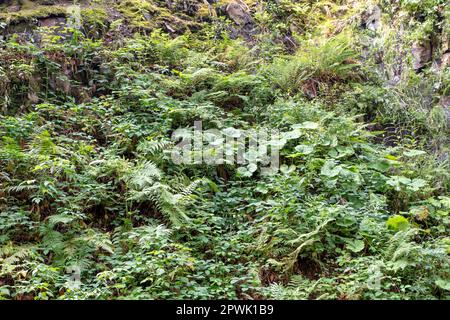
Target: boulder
x=371 y=18
x=15 y=8
x=421 y=53
x=441 y=63
x=52 y=21
x=238 y=13
x=445 y=103
x=445 y=61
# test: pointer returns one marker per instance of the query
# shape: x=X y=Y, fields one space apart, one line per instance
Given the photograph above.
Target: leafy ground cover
x=358 y=210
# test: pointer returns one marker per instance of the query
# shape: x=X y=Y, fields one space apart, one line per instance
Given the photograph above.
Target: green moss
x=94 y=16
x=137 y=12
x=205 y=11
x=147 y=15
x=29 y=15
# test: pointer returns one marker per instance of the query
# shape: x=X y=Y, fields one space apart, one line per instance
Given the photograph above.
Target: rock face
x=239 y=14
x=445 y=61
x=244 y=25
x=422 y=54
x=52 y=21
x=15 y=8
x=371 y=18
x=445 y=103
x=441 y=63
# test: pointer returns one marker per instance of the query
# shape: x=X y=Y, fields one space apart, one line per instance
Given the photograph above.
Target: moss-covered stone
x=139 y=13
x=32 y=15
x=148 y=15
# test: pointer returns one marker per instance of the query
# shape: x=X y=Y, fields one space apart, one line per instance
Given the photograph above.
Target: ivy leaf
x=160 y=271
x=397 y=181
x=252 y=167
x=262 y=188
x=355 y=245
x=443 y=284
x=304 y=149
x=287 y=169
x=346 y=221
x=344 y=151
x=330 y=169
x=243 y=172
x=309 y=125
x=381 y=166
x=294 y=134
x=417 y=184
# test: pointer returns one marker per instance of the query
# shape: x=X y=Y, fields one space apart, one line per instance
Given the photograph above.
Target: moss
x=248 y=3
x=95 y=21
x=204 y=11
x=94 y=16
x=147 y=15
x=138 y=12
x=30 y=15
x=47 y=2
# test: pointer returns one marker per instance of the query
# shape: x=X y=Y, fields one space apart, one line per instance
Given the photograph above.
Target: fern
x=323 y=63
x=11 y=256
x=146 y=184
x=153 y=147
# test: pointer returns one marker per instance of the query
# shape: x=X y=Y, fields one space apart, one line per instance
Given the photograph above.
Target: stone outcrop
x=238 y=13
x=422 y=54
x=371 y=18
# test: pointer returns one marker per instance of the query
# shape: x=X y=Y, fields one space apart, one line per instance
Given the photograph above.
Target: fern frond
x=152 y=147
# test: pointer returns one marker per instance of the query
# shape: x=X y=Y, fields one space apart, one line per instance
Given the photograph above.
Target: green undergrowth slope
x=92 y=206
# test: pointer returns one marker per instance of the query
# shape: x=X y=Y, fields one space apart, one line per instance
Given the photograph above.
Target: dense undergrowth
x=358 y=210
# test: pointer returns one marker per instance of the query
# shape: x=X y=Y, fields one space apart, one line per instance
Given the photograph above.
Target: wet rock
x=169 y=28
x=239 y=14
x=15 y=8
x=147 y=16
x=422 y=54
x=445 y=40
x=445 y=103
x=52 y=21
x=188 y=7
x=33 y=97
x=445 y=61
x=47 y=2
x=371 y=18
x=440 y=64
x=290 y=43
x=18 y=28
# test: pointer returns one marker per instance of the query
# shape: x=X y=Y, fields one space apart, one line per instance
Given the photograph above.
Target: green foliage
x=93 y=207
x=316 y=63
x=397 y=222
